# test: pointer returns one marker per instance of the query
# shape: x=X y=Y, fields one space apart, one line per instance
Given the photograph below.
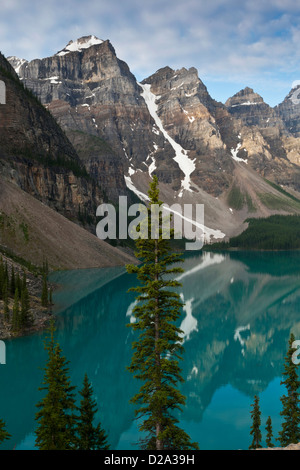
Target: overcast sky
x=232 y=43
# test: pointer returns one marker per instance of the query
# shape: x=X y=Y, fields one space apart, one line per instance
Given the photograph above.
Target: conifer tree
x=256 y=422
x=56 y=419
x=269 y=432
x=6 y=305
x=50 y=297
x=25 y=307
x=12 y=282
x=16 y=312
x=18 y=283
x=1 y=278
x=44 y=296
x=6 y=277
x=290 y=429
x=3 y=432
x=158 y=349
x=90 y=437
x=24 y=281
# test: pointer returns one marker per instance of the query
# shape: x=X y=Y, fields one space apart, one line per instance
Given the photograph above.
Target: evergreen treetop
x=55 y=430
x=256 y=422
x=90 y=437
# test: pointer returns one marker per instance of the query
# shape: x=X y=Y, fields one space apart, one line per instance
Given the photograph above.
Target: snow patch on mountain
x=295 y=95
x=234 y=153
x=130 y=185
x=16 y=63
x=80 y=44
x=186 y=165
x=246 y=103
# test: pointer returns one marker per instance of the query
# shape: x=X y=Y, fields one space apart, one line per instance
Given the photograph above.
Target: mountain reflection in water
x=239 y=311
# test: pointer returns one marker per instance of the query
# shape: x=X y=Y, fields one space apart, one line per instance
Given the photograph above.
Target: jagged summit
x=16 y=63
x=245 y=97
x=79 y=44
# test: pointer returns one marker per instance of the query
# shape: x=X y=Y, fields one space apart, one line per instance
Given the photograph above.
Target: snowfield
x=186 y=165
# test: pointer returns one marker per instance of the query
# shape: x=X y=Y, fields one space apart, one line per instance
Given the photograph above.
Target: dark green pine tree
x=269 y=432
x=1 y=278
x=25 y=318
x=55 y=417
x=18 y=282
x=12 y=282
x=50 y=297
x=16 y=312
x=256 y=422
x=44 y=296
x=90 y=437
x=290 y=428
x=4 y=435
x=6 y=303
x=6 y=277
x=158 y=349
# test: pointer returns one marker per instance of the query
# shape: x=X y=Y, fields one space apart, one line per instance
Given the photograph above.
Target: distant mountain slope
x=35 y=232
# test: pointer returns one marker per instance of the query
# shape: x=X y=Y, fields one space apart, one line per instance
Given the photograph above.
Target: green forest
x=277 y=232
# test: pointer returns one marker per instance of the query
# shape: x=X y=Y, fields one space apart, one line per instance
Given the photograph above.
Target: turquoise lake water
x=239 y=311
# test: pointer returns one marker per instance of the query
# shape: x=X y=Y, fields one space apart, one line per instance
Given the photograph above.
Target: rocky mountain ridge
x=225 y=156
x=44 y=187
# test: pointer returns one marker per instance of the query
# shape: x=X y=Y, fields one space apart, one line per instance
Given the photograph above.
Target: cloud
x=233 y=41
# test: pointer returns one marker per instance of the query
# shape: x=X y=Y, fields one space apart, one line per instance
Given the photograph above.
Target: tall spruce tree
x=55 y=417
x=90 y=437
x=25 y=317
x=2 y=278
x=16 y=312
x=256 y=422
x=12 y=282
x=44 y=295
x=290 y=429
x=158 y=349
x=6 y=303
x=269 y=432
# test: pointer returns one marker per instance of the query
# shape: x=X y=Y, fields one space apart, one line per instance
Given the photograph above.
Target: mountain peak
x=245 y=97
x=79 y=44
x=16 y=63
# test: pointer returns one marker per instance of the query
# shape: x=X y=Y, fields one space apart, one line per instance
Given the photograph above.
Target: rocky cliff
x=264 y=138
x=43 y=186
x=36 y=154
x=232 y=157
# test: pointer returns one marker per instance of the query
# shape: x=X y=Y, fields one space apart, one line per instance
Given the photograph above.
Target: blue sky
x=232 y=43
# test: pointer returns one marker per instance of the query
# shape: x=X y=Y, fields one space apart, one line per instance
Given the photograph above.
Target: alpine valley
x=240 y=159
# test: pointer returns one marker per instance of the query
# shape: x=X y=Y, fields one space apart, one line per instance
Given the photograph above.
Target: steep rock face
x=36 y=154
x=289 y=111
x=185 y=110
x=264 y=140
x=250 y=108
